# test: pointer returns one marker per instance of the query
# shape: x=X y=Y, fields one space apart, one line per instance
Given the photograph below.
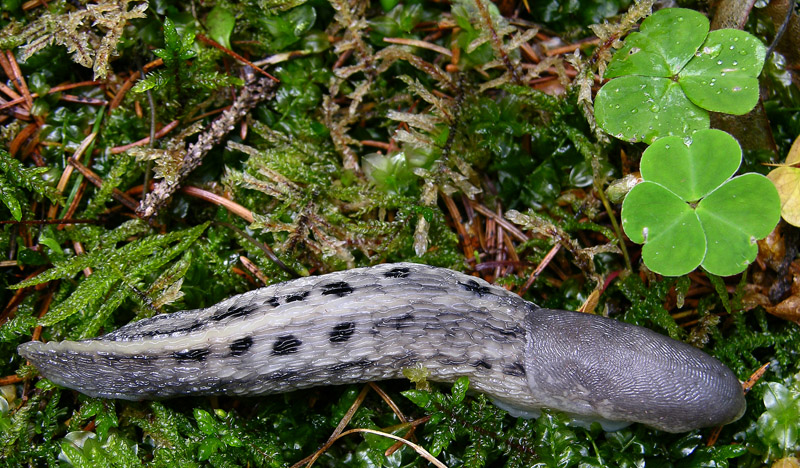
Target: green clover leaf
x=688 y=211
x=667 y=76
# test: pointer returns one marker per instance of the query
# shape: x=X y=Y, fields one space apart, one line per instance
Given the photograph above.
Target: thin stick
x=229 y=205
x=417 y=43
x=159 y=134
x=510 y=228
x=421 y=451
x=19 y=80
x=339 y=428
x=255 y=91
x=117 y=194
x=233 y=54
x=545 y=261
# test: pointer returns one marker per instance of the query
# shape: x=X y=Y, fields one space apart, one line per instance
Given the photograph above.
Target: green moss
x=324 y=196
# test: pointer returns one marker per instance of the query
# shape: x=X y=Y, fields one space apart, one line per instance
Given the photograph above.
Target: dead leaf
x=787 y=181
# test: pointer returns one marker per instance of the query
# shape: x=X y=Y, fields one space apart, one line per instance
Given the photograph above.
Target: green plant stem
x=615 y=226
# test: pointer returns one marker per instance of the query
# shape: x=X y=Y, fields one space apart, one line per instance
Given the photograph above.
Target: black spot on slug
x=240 y=346
x=516 y=369
x=481 y=363
x=198 y=355
x=296 y=297
x=286 y=345
x=339 y=288
x=473 y=286
x=238 y=310
x=342 y=332
x=401 y=321
x=399 y=272
x=272 y=301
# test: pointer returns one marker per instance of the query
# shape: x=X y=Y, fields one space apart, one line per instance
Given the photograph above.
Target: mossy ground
x=397 y=132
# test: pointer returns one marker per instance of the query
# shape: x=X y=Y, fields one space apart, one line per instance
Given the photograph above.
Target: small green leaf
x=723 y=75
x=205 y=422
x=418 y=397
x=713 y=456
x=734 y=217
x=208 y=447
x=8 y=198
x=460 y=389
x=779 y=425
x=27 y=177
x=220 y=23
x=641 y=108
x=692 y=169
x=171 y=37
x=674 y=243
x=665 y=43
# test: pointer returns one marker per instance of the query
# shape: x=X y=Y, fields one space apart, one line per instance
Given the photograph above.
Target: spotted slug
x=371 y=323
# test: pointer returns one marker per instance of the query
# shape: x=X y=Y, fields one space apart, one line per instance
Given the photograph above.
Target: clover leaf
x=689 y=212
x=667 y=76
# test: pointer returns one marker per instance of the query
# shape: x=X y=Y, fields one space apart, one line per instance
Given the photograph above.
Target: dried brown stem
x=254 y=91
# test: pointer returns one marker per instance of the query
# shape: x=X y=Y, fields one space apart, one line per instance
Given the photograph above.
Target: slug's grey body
x=371 y=323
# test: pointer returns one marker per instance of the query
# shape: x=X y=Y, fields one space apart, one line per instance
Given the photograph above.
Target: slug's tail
x=591 y=365
x=96 y=373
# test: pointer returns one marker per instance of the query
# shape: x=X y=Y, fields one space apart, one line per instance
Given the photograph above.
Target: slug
x=371 y=323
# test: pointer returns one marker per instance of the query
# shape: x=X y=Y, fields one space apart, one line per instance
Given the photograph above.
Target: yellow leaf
x=787 y=181
x=794 y=152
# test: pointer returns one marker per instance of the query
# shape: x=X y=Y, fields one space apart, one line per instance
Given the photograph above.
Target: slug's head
x=597 y=367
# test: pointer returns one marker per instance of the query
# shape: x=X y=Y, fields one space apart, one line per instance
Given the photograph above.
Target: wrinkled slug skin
x=371 y=323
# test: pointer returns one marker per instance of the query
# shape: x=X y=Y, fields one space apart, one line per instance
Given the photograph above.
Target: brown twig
x=339 y=428
x=254 y=269
x=545 y=261
x=159 y=134
x=219 y=200
x=123 y=90
x=510 y=228
x=233 y=54
x=455 y=216
x=21 y=137
x=421 y=44
x=9 y=63
x=83 y=100
x=255 y=91
x=117 y=194
x=572 y=47
x=54 y=89
x=10 y=379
